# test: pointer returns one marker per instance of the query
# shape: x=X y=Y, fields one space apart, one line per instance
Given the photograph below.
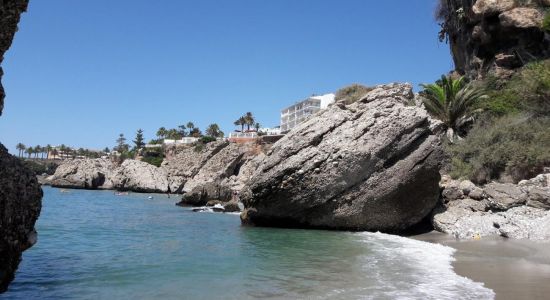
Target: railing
x=243 y=135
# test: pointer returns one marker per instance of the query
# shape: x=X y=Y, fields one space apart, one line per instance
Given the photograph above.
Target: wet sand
x=513 y=269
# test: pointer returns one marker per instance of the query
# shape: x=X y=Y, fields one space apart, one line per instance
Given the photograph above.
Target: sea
x=99 y=245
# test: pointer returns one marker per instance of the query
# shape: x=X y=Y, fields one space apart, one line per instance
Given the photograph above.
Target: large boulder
x=370 y=165
x=83 y=174
x=20 y=204
x=492 y=7
x=138 y=176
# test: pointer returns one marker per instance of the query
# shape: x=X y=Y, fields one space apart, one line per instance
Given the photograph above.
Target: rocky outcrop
x=20 y=193
x=494 y=36
x=210 y=182
x=186 y=163
x=84 y=174
x=370 y=165
x=138 y=176
x=20 y=204
x=508 y=210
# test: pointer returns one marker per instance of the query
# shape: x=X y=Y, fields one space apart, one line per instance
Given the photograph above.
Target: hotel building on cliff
x=299 y=112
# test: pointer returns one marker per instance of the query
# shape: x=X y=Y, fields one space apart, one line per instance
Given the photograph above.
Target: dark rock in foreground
x=20 y=194
x=371 y=165
x=20 y=204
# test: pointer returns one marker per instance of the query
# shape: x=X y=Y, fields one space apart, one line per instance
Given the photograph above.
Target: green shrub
x=155 y=161
x=40 y=168
x=351 y=93
x=527 y=91
x=207 y=139
x=546 y=22
x=513 y=147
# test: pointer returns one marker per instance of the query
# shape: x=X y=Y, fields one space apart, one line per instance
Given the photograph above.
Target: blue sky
x=81 y=72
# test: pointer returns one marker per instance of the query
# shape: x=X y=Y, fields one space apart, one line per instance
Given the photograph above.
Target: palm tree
x=240 y=122
x=161 y=133
x=54 y=153
x=249 y=120
x=48 y=149
x=37 y=150
x=29 y=151
x=452 y=102
x=20 y=147
x=257 y=126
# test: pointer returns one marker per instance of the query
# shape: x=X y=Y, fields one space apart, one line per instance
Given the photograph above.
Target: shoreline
x=513 y=269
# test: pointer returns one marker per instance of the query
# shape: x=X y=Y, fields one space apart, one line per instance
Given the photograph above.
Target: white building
x=243 y=135
x=184 y=141
x=299 y=112
x=270 y=131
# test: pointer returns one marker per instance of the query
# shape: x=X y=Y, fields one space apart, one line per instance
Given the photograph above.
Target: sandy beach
x=514 y=269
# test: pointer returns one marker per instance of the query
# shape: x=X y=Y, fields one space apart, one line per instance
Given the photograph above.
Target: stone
x=517 y=223
x=505 y=196
x=466 y=186
x=477 y=194
x=138 y=176
x=492 y=7
x=83 y=174
x=452 y=193
x=521 y=17
x=539 y=197
x=20 y=205
x=232 y=206
x=387 y=179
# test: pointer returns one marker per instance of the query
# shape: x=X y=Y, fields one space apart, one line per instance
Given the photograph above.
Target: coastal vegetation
x=509 y=140
x=351 y=93
x=452 y=101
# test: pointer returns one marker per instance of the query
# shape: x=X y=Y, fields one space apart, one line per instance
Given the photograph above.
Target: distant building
x=242 y=137
x=270 y=131
x=299 y=112
x=184 y=141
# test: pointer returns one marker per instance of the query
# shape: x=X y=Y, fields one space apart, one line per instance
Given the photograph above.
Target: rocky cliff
x=20 y=194
x=370 y=165
x=494 y=36
x=200 y=172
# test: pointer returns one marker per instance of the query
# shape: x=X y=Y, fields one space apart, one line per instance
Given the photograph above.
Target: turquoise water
x=95 y=245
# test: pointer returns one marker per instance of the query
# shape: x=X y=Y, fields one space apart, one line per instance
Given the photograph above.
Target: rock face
x=20 y=194
x=84 y=174
x=494 y=36
x=514 y=211
x=20 y=204
x=185 y=164
x=371 y=165
x=138 y=176
x=209 y=183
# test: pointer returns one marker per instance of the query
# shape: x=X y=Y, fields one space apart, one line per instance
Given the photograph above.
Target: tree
x=37 y=150
x=29 y=151
x=161 y=133
x=54 y=153
x=451 y=101
x=213 y=130
x=257 y=126
x=20 y=147
x=249 y=120
x=106 y=150
x=139 y=139
x=190 y=125
x=173 y=134
x=121 y=144
x=240 y=122
x=182 y=130
x=48 y=150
